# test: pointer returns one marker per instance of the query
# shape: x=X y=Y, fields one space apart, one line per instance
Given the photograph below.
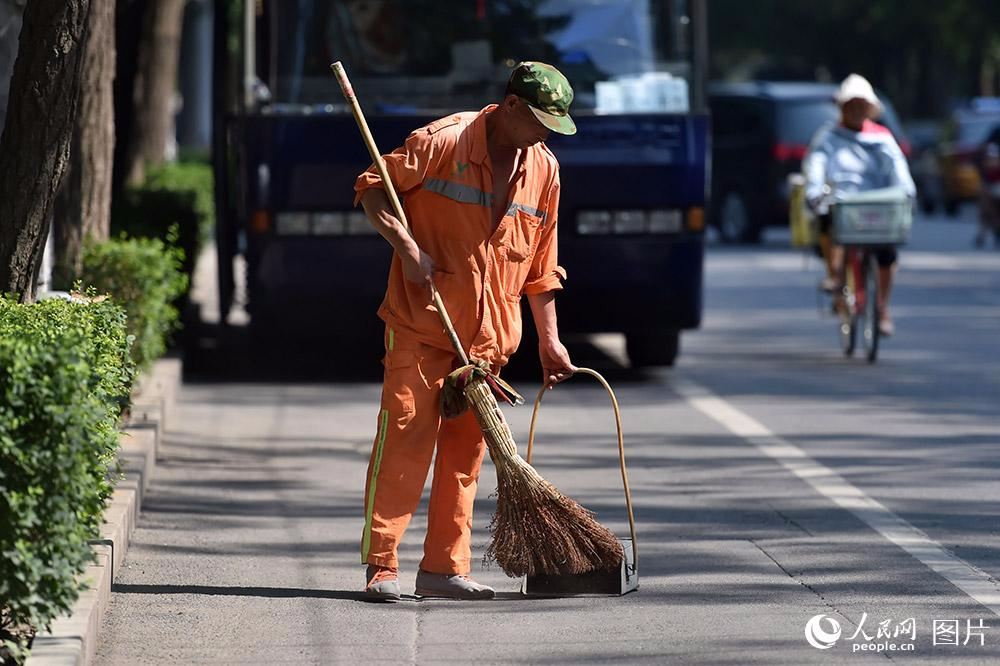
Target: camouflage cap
x=547 y=93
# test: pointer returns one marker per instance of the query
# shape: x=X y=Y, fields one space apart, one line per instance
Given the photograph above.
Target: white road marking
x=941 y=261
x=974 y=582
x=964 y=262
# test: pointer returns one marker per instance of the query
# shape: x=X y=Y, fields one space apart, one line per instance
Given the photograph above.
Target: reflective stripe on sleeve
x=458 y=192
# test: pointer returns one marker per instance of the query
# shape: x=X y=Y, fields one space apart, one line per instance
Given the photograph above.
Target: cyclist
x=853 y=155
x=989 y=194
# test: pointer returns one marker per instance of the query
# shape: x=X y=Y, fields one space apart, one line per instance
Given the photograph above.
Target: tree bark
x=155 y=84
x=83 y=207
x=34 y=149
x=10 y=28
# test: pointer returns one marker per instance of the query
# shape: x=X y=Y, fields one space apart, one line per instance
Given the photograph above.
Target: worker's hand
x=419 y=268
x=556 y=366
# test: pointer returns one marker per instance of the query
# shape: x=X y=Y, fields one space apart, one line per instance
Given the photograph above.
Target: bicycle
x=859 y=308
x=862 y=223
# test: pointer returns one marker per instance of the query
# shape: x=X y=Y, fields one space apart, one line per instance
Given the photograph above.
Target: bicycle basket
x=875 y=217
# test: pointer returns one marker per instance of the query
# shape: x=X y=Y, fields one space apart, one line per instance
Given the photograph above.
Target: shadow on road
x=216 y=591
x=215 y=353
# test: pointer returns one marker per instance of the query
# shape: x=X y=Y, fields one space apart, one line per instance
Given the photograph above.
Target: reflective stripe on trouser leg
x=411 y=397
x=366 y=540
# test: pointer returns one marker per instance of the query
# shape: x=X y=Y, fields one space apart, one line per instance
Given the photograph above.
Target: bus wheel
x=652 y=348
x=735 y=219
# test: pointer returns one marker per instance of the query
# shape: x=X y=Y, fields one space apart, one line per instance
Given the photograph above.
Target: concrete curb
x=73 y=639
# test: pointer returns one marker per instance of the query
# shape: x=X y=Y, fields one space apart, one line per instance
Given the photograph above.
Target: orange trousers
x=409 y=428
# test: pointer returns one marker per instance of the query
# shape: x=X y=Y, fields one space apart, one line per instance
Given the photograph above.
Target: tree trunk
x=10 y=28
x=34 y=149
x=155 y=84
x=83 y=207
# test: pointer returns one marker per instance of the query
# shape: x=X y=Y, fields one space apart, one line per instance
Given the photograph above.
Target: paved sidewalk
x=247 y=547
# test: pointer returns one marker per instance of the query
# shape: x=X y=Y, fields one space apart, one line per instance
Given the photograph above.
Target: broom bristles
x=536 y=529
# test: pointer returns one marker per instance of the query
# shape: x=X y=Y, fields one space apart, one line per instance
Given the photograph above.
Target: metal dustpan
x=615 y=582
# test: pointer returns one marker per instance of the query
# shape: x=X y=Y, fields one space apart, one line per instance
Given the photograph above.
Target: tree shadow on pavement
x=235 y=355
x=284 y=593
x=217 y=591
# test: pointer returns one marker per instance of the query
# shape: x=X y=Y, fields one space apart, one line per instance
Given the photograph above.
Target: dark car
x=760 y=132
x=925 y=137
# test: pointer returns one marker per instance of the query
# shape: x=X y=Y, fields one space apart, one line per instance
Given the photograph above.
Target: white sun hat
x=856 y=86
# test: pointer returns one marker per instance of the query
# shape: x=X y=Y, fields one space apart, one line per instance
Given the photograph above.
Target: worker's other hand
x=419 y=269
x=556 y=366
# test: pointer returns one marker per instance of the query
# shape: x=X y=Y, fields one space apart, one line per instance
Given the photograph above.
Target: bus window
x=425 y=54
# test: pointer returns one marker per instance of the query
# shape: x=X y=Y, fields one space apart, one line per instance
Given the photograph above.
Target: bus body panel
x=308 y=163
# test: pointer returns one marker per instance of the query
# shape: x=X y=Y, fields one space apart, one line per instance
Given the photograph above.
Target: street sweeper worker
x=481 y=195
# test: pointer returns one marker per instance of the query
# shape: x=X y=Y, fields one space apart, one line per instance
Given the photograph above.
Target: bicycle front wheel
x=846 y=309
x=870 y=311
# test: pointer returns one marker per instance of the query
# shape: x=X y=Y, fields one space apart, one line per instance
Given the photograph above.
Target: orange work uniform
x=444 y=176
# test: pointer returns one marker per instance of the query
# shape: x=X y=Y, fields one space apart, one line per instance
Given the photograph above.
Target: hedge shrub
x=65 y=377
x=145 y=276
x=179 y=193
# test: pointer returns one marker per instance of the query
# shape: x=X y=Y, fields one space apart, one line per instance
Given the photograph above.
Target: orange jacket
x=444 y=177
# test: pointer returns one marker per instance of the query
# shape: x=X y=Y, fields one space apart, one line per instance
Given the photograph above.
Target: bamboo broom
x=536 y=529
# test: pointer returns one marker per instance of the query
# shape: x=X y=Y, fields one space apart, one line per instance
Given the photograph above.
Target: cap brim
x=558 y=124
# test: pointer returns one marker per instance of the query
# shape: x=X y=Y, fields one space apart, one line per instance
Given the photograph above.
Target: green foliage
x=65 y=377
x=922 y=54
x=180 y=194
x=145 y=276
x=193 y=181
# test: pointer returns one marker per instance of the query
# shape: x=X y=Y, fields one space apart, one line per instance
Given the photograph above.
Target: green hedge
x=145 y=275
x=180 y=194
x=65 y=377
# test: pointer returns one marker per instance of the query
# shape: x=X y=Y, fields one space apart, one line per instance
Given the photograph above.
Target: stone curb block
x=72 y=640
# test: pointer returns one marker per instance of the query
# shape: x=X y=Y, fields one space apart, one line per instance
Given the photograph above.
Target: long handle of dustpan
x=621 y=448
x=359 y=116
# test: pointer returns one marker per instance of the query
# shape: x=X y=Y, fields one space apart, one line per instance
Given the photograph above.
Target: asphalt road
x=774 y=481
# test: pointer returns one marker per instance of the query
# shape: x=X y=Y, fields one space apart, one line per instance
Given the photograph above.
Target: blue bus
x=287 y=151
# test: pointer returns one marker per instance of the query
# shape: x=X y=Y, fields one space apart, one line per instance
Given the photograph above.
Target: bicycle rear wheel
x=871 y=312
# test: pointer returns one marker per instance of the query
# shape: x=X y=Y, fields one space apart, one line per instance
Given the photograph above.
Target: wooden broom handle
x=359 y=116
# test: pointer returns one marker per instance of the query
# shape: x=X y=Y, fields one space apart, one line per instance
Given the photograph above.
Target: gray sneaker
x=451 y=586
x=383 y=584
